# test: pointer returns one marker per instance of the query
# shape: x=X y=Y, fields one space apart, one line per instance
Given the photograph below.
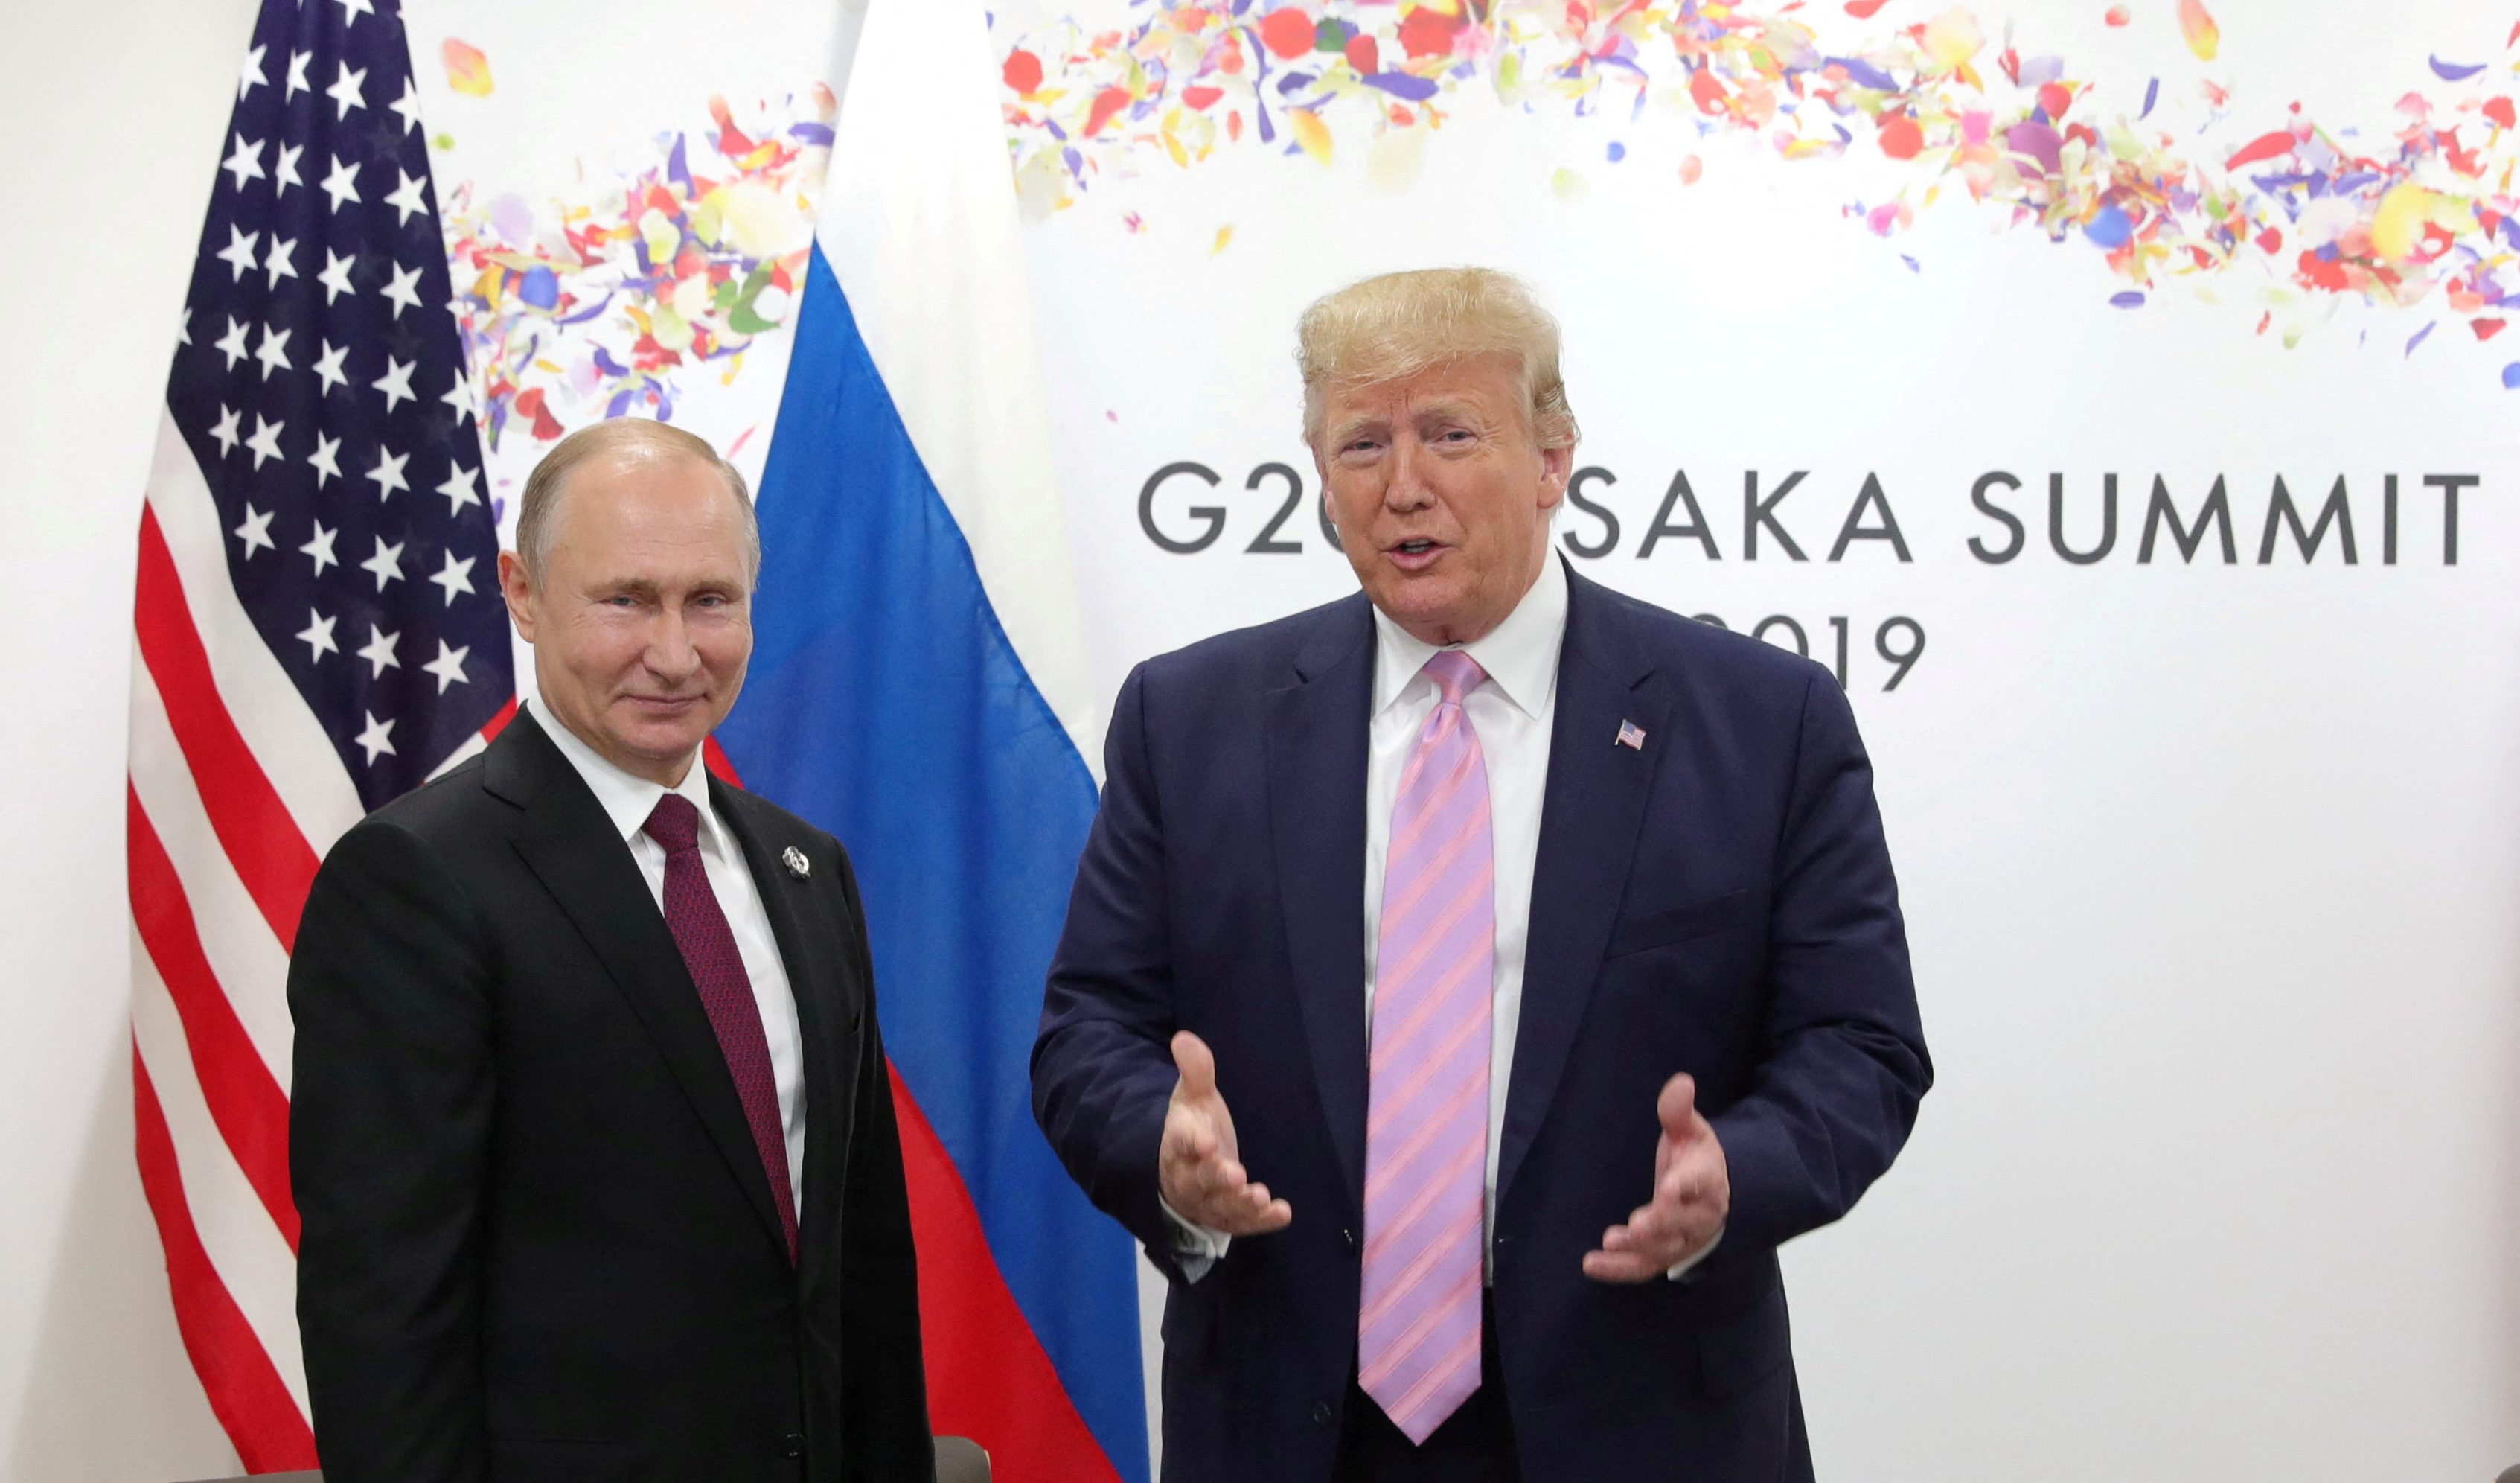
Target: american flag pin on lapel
x=1631 y=735
x=797 y=864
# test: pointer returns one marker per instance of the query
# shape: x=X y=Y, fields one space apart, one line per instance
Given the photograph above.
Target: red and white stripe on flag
x=316 y=630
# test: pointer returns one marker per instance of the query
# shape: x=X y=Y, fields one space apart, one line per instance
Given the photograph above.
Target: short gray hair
x=1393 y=326
x=538 y=510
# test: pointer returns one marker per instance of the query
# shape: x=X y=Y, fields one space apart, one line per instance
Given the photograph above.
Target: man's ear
x=1556 y=466
x=516 y=586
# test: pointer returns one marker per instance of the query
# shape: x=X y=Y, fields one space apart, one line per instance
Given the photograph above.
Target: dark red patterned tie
x=699 y=929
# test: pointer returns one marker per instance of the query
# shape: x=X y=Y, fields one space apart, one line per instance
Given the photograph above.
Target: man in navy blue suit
x=1543 y=943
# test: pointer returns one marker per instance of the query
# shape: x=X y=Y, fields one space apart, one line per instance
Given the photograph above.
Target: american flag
x=317 y=629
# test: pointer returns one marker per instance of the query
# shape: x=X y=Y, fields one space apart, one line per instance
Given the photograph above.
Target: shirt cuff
x=1195 y=1248
x=1678 y=1269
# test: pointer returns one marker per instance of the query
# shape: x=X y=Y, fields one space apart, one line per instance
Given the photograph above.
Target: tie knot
x=1454 y=674
x=675 y=823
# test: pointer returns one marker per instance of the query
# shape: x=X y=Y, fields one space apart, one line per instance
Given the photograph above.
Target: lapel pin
x=797 y=864
x=1631 y=735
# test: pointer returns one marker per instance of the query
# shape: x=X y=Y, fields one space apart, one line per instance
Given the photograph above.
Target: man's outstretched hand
x=1200 y=1169
x=1693 y=1193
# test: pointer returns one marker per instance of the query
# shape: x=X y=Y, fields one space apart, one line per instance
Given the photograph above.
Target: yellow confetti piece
x=2197 y=25
x=466 y=69
x=1569 y=186
x=1952 y=38
x=1224 y=234
x=2399 y=225
x=1310 y=132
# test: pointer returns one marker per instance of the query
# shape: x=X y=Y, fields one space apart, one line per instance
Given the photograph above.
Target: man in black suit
x=592 y=1136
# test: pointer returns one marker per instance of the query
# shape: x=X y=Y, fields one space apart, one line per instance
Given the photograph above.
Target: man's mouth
x=1412 y=555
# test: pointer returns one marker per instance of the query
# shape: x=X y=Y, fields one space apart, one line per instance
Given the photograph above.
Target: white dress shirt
x=1513 y=710
x=627 y=800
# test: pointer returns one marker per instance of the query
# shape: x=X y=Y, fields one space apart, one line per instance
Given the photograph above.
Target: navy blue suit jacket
x=1719 y=901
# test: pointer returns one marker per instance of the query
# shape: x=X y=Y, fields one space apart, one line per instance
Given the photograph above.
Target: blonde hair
x=1393 y=326
x=617 y=438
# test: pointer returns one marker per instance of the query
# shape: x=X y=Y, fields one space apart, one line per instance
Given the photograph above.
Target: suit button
x=1322 y=1414
x=792 y=1445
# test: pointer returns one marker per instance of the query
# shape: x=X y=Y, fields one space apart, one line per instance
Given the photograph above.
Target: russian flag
x=919 y=688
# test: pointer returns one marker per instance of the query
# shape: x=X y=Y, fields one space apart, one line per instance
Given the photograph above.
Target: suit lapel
x=818 y=974
x=1316 y=764
x=572 y=848
x=1590 y=817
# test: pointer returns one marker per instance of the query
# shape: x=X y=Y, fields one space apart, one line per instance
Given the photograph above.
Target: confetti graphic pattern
x=594 y=305
x=2415 y=216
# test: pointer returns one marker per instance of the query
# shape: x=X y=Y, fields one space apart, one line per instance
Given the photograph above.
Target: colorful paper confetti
x=595 y=305
x=2204 y=38
x=466 y=69
x=2420 y=210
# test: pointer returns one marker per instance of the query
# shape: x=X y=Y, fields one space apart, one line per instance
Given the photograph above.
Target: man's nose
x=671 y=654
x=1407 y=489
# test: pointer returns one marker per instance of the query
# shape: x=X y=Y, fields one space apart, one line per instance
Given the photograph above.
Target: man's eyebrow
x=628 y=586
x=1348 y=427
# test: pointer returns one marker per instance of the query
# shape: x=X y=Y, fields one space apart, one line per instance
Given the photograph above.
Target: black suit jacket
x=1719 y=901
x=538 y=1242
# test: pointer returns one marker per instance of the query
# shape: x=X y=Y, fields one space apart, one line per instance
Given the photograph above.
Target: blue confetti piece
x=2130 y=299
x=1864 y=74
x=2152 y=94
x=2420 y=337
x=2111 y=229
x=540 y=288
x=2512 y=376
x=2451 y=71
x=1402 y=85
x=1911 y=263
x=1618 y=152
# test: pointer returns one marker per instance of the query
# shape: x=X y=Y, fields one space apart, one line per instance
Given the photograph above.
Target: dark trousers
x=1474 y=1445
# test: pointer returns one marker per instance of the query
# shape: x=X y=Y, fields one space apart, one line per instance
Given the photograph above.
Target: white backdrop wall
x=117 y=108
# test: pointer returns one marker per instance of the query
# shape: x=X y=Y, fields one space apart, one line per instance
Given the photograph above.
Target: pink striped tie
x=1427 y=1123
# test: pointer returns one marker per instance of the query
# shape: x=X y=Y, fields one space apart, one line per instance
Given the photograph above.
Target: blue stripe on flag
x=887 y=705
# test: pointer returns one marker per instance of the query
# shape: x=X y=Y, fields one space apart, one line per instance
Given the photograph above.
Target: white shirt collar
x=628 y=799
x=1520 y=656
